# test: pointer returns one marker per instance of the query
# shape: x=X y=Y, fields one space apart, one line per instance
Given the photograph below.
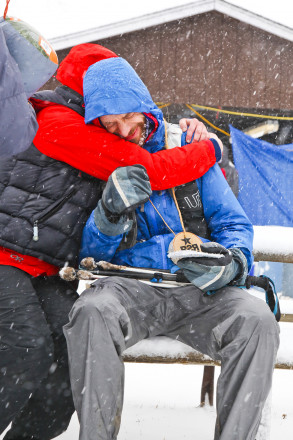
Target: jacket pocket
x=51 y=210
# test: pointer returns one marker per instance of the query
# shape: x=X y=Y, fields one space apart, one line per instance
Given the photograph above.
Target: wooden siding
x=210 y=59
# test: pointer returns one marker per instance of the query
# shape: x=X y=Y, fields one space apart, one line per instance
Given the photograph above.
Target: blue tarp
x=265 y=179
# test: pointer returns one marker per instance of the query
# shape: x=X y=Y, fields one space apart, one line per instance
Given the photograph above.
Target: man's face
x=129 y=126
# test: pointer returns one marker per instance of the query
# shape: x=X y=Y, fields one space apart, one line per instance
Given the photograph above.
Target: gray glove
x=223 y=267
x=126 y=189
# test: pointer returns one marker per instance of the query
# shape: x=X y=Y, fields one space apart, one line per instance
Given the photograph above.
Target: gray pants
x=231 y=326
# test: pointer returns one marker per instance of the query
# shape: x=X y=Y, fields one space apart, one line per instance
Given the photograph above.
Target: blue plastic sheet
x=265 y=179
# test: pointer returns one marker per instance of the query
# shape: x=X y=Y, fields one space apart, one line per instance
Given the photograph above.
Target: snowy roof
x=66 y=23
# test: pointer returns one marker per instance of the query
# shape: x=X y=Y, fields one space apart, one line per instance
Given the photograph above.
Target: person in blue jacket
x=134 y=226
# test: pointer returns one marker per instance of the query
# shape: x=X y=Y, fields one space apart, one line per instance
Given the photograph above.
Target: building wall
x=210 y=59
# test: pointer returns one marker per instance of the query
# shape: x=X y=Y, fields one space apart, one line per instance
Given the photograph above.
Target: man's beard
x=143 y=136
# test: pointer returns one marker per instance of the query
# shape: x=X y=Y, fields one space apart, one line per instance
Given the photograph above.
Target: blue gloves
x=126 y=189
x=216 y=269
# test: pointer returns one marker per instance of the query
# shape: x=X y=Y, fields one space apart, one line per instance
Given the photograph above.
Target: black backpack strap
x=269 y=287
x=62 y=95
x=72 y=99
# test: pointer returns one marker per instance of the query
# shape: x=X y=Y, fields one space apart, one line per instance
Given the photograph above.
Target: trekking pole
x=89 y=269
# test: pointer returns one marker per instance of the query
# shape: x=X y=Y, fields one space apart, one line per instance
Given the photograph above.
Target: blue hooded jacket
x=112 y=87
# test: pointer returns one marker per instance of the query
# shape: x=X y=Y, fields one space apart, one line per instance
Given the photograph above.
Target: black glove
x=126 y=189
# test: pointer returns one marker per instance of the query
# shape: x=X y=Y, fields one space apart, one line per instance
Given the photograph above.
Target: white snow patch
x=162 y=403
x=273 y=239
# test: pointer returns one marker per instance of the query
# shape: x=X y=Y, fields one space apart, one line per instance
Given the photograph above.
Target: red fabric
x=64 y=136
x=31 y=265
x=73 y=68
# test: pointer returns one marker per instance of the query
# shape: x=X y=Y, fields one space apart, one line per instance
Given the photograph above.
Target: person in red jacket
x=46 y=195
x=63 y=134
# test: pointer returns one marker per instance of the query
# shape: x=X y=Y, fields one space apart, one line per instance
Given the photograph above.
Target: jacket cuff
x=218 y=152
x=242 y=273
x=108 y=228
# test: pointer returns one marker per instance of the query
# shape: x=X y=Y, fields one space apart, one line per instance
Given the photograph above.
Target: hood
x=112 y=87
x=35 y=57
x=73 y=68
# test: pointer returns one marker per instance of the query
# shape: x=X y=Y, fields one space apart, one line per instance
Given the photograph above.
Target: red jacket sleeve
x=64 y=136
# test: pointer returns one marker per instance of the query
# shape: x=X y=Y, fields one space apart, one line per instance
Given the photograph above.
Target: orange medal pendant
x=186 y=241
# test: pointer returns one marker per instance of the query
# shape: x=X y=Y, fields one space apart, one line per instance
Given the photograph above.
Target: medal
x=184 y=245
x=186 y=241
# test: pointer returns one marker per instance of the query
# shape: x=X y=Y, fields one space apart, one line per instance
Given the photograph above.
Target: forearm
x=64 y=136
x=181 y=165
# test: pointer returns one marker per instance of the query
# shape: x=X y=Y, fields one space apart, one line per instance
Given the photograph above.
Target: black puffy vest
x=46 y=196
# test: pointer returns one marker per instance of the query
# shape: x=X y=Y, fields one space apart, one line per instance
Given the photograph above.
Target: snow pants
x=35 y=393
x=231 y=326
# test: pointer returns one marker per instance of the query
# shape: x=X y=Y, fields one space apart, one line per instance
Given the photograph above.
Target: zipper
x=51 y=210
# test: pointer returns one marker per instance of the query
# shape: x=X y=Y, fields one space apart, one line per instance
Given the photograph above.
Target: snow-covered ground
x=162 y=403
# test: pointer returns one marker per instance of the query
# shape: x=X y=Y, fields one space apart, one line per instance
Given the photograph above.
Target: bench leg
x=207 y=387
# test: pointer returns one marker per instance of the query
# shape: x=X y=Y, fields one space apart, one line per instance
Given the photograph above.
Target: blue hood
x=112 y=87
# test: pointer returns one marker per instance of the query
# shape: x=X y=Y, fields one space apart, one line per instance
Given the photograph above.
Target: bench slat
x=286 y=317
x=192 y=359
x=162 y=349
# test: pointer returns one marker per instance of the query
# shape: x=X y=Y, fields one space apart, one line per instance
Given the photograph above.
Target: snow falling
x=162 y=402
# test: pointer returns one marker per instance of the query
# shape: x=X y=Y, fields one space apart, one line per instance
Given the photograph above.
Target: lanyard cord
x=173 y=193
x=161 y=217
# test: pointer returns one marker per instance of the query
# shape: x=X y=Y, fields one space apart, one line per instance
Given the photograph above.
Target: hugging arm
x=95 y=151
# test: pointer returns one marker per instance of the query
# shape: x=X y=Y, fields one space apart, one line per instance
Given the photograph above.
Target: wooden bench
x=162 y=349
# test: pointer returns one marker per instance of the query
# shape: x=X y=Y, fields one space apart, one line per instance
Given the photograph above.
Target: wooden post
x=207 y=387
